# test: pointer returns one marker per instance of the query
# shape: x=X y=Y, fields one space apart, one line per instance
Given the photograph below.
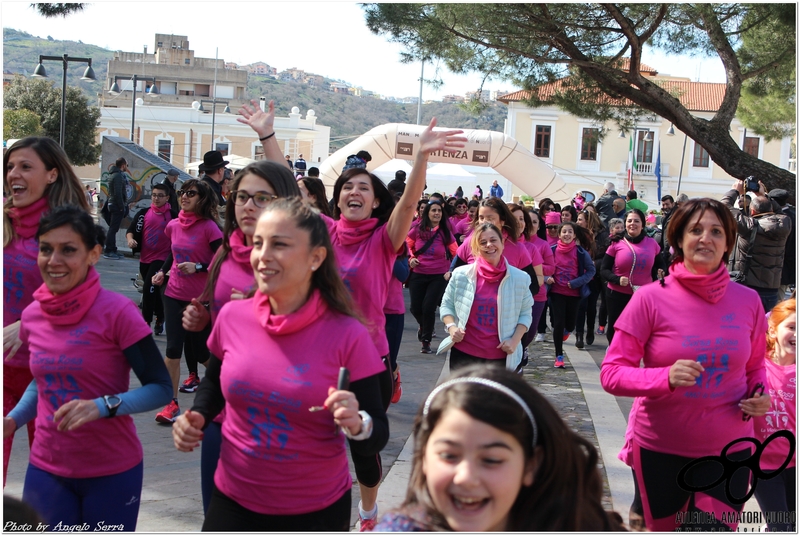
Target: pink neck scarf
x=274 y=324
x=239 y=250
x=710 y=287
x=352 y=232
x=187 y=219
x=26 y=220
x=488 y=272
x=160 y=211
x=69 y=308
x=562 y=248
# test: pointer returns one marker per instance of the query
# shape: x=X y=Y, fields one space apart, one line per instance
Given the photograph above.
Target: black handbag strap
x=428 y=243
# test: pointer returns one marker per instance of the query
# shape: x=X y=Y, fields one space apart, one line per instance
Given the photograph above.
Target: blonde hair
x=479 y=230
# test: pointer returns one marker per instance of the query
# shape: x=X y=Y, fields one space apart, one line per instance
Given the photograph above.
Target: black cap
x=779 y=195
x=213 y=160
x=173 y=172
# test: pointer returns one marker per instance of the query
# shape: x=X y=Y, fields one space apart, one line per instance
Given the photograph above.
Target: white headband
x=491 y=384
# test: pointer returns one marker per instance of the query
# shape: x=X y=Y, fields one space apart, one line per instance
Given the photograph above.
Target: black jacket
x=116 y=188
x=604 y=206
x=216 y=187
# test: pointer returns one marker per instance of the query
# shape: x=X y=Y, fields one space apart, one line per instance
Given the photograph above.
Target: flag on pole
x=630 y=165
x=657 y=171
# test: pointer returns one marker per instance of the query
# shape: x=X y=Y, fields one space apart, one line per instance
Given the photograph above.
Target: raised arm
x=263 y=123
x=400 y=221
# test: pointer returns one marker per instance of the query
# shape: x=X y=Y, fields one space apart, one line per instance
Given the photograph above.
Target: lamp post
x=213 y=103
x=88 y=74
x=153 y=91
x=682 y=158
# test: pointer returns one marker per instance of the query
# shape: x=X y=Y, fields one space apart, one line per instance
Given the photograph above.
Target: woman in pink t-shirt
x=632 y=260
x=367 y=232
x=777 y=496
x=146 y=235
x=195 y=236
x=86 y=464
x=691 y=349
x=274 y=367
x=230 y=275
x=38 y=177
x=463 y=228
x=568 y=284
x=431 y=246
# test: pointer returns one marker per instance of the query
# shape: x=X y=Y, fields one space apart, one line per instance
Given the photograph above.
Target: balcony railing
x=645 y=168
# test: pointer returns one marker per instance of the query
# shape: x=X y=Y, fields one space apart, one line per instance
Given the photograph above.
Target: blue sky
x=327 y=38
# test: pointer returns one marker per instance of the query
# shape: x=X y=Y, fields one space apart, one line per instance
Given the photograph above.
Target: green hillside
x=347 y=116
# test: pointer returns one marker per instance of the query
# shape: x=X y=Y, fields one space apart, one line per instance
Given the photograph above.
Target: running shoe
x=579 y=344
x=525 y=358
x=589 y=337
x=419 y=334
x=169 y=414
x=395 y=397
x=367 y=524
x=559 y=362
x=539 y=337
x=159 y=327
x=426 y=348
x=112 y=256
x=566 y=335
x=190 y=384
x=600 y=329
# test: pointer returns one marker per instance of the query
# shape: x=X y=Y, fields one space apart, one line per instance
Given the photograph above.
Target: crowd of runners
x=294 y=306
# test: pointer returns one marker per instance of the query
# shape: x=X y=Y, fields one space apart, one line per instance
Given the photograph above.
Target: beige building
x=181 y=135
x=180 y=76
x=571 y=145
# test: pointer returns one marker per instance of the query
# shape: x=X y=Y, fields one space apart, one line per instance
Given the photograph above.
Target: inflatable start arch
x=484 y=148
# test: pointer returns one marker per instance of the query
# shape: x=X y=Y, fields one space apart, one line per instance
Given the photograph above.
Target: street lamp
x=88 y=74
x=153 y=92
x=213 y=103
x=682 y=158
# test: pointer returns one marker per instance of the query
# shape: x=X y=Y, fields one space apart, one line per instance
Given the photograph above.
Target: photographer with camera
x=759 y=252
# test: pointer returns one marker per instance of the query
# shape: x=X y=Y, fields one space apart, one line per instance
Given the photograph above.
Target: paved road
x=171 y=499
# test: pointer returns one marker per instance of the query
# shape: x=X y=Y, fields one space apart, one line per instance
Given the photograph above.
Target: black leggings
x=369 y=468
x=178 y=340
x=616 y=303
x=564 y=317
x=395 y=323
x=587 y=308
x=459 y=359
x=225 y=514
x=151 y=295
x=777 y=499
x=426 y=292
x=663 y=497
x=603 y=306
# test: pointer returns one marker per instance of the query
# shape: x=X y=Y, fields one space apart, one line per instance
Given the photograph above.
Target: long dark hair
x=508 y=221
x=528 y=222
x=326 y=278
x=316 y=187
x=566 y=494
x=383 y=210
x=206 y=206
x=284 y=184
x=66 y=189
x=583 y=236
x=426 y=226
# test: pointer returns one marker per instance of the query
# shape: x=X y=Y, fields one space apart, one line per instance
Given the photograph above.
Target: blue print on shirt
x=13 y=286
x=712 y=376
x=262 y=430
x=60 y=389
x=486 y=312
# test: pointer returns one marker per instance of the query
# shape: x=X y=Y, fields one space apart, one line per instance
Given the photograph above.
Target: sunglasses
x=552 y=227
x=190 y=193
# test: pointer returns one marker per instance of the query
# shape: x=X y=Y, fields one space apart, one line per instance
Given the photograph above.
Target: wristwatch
x=198 y=267
x=112 y=403
x=366 y=427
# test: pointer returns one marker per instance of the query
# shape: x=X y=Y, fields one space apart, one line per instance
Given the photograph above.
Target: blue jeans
x=769 y=297
x=91 y=502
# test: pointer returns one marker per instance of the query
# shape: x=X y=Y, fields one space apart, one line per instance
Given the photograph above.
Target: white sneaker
x=539 y=337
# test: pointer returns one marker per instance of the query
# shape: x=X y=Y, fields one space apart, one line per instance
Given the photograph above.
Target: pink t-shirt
x=462 y=227
x=395 y=301
x=21 y=277
x=434 y=260
x=565 y=271
x=666 y=324
x=156 y=244
x=516 y=254
x=551 y=240
x=481 y=336
x=84 y=361
x=645 y=253
x=548 y=267
x=192 y=245
x=277 y=458
x=366 y=268
x=782 y=415
x=232 y=275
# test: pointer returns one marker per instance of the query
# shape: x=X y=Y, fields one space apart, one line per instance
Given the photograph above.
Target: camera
x=751 y=184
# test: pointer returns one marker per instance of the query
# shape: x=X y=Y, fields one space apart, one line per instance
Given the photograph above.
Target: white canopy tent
x=236 y=162
x=387 y=171
x=484 y=149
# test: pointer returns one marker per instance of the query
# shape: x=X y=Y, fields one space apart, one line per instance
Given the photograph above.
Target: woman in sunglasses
x=195 y=237
x=431 y=246
x=231 y=275
x=147 y=236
